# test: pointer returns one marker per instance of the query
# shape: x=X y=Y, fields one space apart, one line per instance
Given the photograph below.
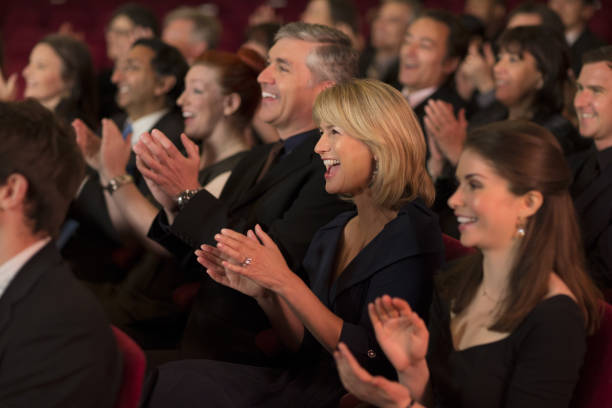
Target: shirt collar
x=9 y=269
x=294 y=141
x=417 y=97
x=145 y=124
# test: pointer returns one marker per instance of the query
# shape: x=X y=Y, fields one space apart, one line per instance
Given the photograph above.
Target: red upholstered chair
x=453 y=248
x=134 y=364
x=594 y=389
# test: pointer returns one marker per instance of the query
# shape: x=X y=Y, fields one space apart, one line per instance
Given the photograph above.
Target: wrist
x=117 y=182
x=184 y=196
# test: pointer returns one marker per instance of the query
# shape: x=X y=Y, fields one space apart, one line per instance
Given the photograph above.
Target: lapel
x=26 y=278
x=298 y=159
x=593 y=204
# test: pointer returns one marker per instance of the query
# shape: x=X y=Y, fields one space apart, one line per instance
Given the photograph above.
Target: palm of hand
x=402 y=344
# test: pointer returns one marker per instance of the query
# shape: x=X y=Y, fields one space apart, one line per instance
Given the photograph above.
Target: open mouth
x=331 y=167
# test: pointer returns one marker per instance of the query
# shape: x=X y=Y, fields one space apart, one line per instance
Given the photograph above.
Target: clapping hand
x=448 y=131
x=114 y=150
x=89 y=143
x=375 y=390
x=257 y=259
x=401 y=333
x=8 y=88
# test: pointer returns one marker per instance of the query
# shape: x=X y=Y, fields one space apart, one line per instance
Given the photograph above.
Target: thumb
x=461 y=117
x=488 y=54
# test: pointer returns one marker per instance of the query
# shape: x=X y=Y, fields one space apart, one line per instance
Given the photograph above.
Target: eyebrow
x=474 y=175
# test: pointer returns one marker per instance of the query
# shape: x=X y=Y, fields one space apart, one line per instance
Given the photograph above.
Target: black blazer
x=56 y=347
x=594 y=210
x=289 y=202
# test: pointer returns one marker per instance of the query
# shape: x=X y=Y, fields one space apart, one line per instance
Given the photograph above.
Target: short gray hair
x=205 y=28
x=333 y=60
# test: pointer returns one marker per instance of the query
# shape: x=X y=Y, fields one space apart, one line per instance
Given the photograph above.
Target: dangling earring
x=374 y=171
x=520 y=229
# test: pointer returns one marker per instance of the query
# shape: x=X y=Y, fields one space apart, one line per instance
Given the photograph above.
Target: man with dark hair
x=575 y=15
x=278 y=186
x=532 y=13
x=57 y=348
x=191 y=31
x=339 y=14
x=381 y=59
x=592 y=186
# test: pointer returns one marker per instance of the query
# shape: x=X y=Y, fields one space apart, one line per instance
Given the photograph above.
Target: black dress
x=537 y=365
x=399 y=261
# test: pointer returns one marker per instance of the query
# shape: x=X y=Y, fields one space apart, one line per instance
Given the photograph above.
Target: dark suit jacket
x=594 y=210
x=56 y=347
x=289 y=202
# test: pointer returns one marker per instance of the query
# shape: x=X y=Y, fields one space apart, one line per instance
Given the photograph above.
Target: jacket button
x=371 y=353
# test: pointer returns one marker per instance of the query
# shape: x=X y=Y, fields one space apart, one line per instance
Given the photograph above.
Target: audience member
x=260 y=37
x=531 y=13
x=374 y=152
x=281 y=191
x=380 y=60
x=57 y=348
x=508 y=324
x=575 y=15
x=191 y=32
x=592 y=186
x=491 y=13
x=128 y=23
x=149 y=79
x=60 y=76
x=339 y=14
x=530 y=77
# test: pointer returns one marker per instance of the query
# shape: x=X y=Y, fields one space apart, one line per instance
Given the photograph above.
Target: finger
x=155 y=148
x=191 y=148
x=374 y=318
x=237 y=240
x=359 y=371
x=461 y=117
x=265 y=238
x=251 y=235
x=165 y=143
x=388 y=306
x=401 y=306
x=381 y=310
x=231 y=254
x=488 y=54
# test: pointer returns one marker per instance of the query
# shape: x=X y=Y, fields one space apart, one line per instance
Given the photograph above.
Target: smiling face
x=423 y=55
x=43 y=76
x=389 y=26
x=573 y=13
x=201 y=101
x=517 y=78
x=348 y=161
x=118 y=37
x=288 y=87
x=593 y=103
x=137 y=83
x=485 y=208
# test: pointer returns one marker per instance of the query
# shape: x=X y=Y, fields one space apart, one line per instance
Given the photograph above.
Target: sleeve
x=549 y=358
x=409 y=279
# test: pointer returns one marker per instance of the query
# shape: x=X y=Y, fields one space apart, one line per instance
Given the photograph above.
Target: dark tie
x=127 y=129
x=275 y=151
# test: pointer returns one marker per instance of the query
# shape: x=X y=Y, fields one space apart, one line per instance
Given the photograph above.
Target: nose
x=322 y=145
x=456 y=199
x=581 y=99
x=407 y=49
x=181 y=99
x=265 y=76
x=498 y=67
x=26 y=71
x=117 y=75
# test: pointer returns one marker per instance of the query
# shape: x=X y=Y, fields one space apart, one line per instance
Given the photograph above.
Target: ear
x=321 y=86
x=198 y=49
x=530 y=203
x=587 y=12
x=540 y=82
x=450 y=65
x=164 y=84
x=231 y=103
x=13 y=192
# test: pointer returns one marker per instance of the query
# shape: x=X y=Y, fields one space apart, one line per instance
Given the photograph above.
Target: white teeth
x=329 y=163
x=124 y=89
x=465 y=220
x=265 y=94
x=188 y=114
x=586 y=115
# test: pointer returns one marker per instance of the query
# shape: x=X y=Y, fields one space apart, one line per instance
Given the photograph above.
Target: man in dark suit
x=592 y=186
x=57 y=348
x=575 y=15
x=434 y=45
x=282 y=192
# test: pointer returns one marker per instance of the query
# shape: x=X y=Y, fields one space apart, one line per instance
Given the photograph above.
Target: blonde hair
x=379 y=116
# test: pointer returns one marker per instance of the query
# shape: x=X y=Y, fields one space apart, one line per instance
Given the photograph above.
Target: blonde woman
x=374 y=154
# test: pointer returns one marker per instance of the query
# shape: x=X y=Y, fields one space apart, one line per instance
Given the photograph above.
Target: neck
x=496 y=266
x=371 y=217
x=384 y=55
x=576 y=29
x=295 y=128
x=51 y=104
x=603 y=143
x=15 y=238
x=140 y=111
x=225 y=141
x=521 y=110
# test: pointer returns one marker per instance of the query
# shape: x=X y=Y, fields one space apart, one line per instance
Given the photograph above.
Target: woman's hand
x=114 y=150
x=400 y=332
x=8 y=88
x=261 y=262
x=375 y=390
x=448 y=131
x=89 y=143
x=212 y=259
x=165 y=165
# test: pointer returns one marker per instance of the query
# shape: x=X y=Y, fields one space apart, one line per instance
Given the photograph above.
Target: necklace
x=488 y=296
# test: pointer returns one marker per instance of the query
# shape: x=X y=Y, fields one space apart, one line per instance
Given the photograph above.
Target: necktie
x=272 y=155
x=127 y=129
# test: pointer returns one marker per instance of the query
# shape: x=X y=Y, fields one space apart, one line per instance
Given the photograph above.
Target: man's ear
x=164 y=84
x=231 y=103
x=325 y=84
x=13 y=192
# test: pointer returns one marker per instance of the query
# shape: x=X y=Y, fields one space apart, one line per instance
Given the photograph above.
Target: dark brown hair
x=43 y=149
x=237 y=73
x=529 y=158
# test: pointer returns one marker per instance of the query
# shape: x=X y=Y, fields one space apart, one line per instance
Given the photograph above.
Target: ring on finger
x=247 y=261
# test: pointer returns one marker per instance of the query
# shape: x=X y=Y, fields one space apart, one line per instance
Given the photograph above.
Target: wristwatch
x=116 y=182
x=186 y=195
